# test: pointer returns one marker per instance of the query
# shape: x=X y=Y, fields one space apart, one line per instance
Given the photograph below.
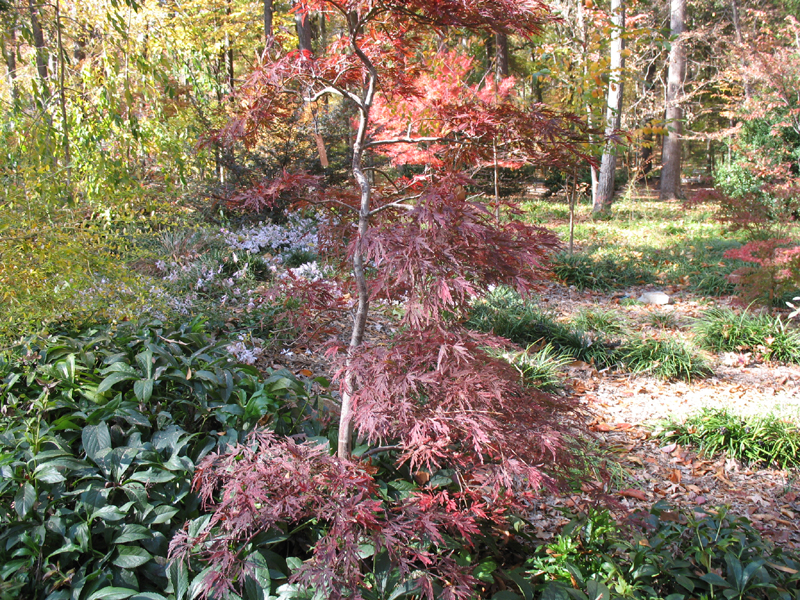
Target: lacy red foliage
x=442 y=252
x=266 y=194
x=276 y=485
x=778 y=269
x=447 y=403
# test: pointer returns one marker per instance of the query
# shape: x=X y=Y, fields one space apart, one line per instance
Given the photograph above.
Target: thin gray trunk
x=671 y=154
x=345 y=439
x=608 y=165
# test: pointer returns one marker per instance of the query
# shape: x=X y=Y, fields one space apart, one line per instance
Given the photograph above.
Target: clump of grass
x=600 y=320
x=662 y=320
x=765 y=440
x=600 y=273
x=725 y=330
x=504 y=313
x=663 y=359
x=542 y=368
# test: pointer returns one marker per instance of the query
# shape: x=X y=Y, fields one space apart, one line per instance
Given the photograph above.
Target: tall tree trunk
x=671 y=155
x=608 y=165
x=267 y=22
x=62 y=95
x=41 y=49
x=302 y=22
x=501 y=51
x=737 y=26
x=584 y=38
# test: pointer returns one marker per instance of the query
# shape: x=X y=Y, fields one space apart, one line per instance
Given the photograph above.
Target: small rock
x=654 y=298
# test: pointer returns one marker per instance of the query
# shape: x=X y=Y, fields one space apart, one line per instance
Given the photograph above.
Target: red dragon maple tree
x=435 y=398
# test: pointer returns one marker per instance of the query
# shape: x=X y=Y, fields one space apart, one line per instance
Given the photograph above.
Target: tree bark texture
x=671 y=154
x=608 y=165
x=302 y=22
x=267 y=21
x=38 y=41
x=501 y=50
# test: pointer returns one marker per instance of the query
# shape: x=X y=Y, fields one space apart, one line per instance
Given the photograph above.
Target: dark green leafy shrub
x=764 y=440
x=663 y=359
x=99 y=438
x=725 y=330
x=664 y=554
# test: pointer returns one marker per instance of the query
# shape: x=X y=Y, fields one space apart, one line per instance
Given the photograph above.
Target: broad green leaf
x=109 y=513
x=23 y=501
x=130 y=557
x=506 y=595
x=178 y=576
x=113 y=379
x=143 y=389
x=163 y=514
x=112 y=593
x=714 y=579
x=152 y=476
x=133 y=532
x=95 y=439
x=49 y=474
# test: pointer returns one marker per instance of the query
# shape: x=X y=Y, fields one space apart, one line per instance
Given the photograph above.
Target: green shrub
x=99 y=438
x=600 y=320
x=757 y=439
x=663 y=359
x=725 y=330
x=666 y=553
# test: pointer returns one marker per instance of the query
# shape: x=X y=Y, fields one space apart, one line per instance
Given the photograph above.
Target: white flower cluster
x=247 y=355
x=297 y=234
x=310 y=271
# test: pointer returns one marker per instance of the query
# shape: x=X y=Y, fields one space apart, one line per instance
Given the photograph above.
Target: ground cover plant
x=665 y=553
x=760 y=439
x=100 y=437
x=728 y=330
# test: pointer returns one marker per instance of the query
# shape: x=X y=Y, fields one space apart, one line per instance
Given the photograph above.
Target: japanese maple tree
x=435 y=398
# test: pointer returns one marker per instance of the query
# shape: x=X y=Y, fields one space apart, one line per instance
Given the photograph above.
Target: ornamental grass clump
x=772 y=338
x=663 y=358
x=758 y=440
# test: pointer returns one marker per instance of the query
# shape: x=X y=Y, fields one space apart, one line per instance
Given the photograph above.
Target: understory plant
x=766 y=440
x=771 y=338
x=668 y=553
x=100 y=438
x=663 y=358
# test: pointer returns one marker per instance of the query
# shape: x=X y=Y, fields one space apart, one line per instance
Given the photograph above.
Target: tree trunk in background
x=648 y=140
x=501 y=50
x=608 y=166
x=737 y=26
x=267 y=21
x=10 y=56
x=302 y=23
x=41 y=49
x=671 y=155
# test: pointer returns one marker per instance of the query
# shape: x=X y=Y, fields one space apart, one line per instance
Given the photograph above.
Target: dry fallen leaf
x=633 y=493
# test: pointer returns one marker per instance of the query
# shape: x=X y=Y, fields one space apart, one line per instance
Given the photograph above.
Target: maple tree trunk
x=345 y=438
x=671 y=154
x=605 y=185
x=62 y=94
